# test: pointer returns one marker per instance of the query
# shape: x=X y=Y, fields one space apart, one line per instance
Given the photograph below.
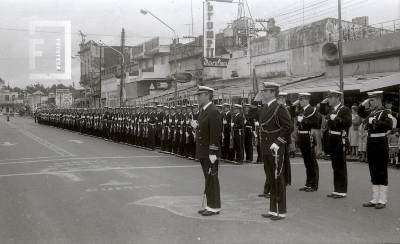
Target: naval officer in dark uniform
x=339 y=120
x=379 y=122
x=307 y=120
x=208 y=132
x=275 y=129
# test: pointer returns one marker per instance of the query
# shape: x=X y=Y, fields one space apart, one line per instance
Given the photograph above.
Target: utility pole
x=100 y=79
x=340 y=50
x=122 y=67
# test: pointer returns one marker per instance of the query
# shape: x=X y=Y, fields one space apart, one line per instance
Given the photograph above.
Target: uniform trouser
x=378 y=155
x=211 y=183
x=181 y=144
x=239 y=149
x=229 y=153
x=339 y=171
x=278 y=186
x=248 y=147
x=151 y=139
x=259 y=153
x=288 y=170
x=311 y=164
x=192 y=148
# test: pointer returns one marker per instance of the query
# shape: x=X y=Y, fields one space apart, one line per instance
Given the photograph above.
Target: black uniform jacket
x=310 y=121
x=341 y=123
x=208 y=133
x=238 y=126
x=275 y=126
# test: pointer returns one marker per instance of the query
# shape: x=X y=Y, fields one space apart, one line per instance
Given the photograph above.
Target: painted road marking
x=15 y=159
x=7 y=144
x=43 y=142
x=245 y=209
x=77 y=141
x=128 y=174
x=61 y=159
x=118 y=188
x=69 y=176
x=100 y=170
x=115 y=183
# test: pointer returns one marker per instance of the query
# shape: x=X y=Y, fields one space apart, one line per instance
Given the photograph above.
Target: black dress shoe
x=331 y=195
x=277 y=217
x=369 y=204
x=202 y=211
x=262 y=195
x=380 y=206
x=267 y=215
x=303 y=188
x=310 y=189
x=338 y=196
x=209 y=213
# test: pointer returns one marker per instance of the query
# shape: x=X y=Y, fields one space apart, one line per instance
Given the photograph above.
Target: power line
x=321 y=14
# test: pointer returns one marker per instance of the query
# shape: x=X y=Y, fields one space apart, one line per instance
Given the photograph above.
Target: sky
x=104 y=19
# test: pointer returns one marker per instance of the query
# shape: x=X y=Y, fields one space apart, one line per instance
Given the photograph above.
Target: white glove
x=325 y=100
x=176 y=121
x=370 y=120
x=187 y=134
x=213 y=158
x=296 y=103
x=232 y=124
x=365 y=102
x=300 y=118
x=333 y=116
x=258 y=97
x=224 y=121
x=170 y=120
x=256 y=123
x=274 y=147
x=194 y=124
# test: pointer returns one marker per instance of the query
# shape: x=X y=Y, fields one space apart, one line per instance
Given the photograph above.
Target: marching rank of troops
x=211 y=134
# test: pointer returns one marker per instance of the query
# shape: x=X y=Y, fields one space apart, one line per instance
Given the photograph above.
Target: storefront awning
x=323 y=84
x=386 y=81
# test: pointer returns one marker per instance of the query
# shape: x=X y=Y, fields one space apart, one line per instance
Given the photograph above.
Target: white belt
x=335 y=132
x=249 y=126
x=303 y=132
x=377 y=135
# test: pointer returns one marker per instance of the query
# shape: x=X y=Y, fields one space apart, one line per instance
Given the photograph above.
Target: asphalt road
x=61 y=187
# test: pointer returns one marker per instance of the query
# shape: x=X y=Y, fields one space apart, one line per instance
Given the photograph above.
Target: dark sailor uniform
x=208 y=134
x=336 y=145
x=275 y=127
x=306 y=143
x=379 y=122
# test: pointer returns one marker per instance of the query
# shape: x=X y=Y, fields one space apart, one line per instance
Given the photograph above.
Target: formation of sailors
x=167 y=128
x=171 y=130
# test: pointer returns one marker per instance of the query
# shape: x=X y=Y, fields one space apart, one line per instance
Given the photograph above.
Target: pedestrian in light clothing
x=208 y=131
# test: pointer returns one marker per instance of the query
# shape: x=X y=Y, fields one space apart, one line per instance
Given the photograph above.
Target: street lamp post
x=122 y=71
x=144 y=12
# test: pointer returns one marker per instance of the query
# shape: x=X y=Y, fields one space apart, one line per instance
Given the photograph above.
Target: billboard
x=209 y=36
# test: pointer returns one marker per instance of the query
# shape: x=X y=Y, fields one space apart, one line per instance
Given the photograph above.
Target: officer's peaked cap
x=203 y=89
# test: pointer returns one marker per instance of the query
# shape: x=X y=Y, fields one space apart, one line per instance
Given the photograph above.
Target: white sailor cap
x=282 y=94
x=219 y=105
x=375 y=94
x=332 y=93
x=203 y=89
x=237 y=106
x=227 y=104
x=304 y=95
x=159 y=105
x=270 y=86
